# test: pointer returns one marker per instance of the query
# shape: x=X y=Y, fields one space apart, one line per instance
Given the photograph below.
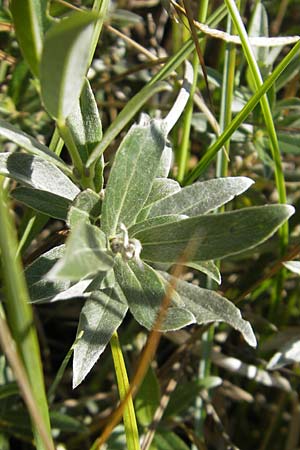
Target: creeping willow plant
x=124 y=236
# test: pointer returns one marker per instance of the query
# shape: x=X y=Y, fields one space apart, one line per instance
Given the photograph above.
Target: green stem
x=184 y=153
x=20 y=319
x=100 y=7
x=241 y=116
x=131 y=430
x=267 y=113
x=85 y=176
x=226 y=101
x=134 y=104
x=221 y=171
x=124 y=117
x=13 y=358
x=56 y=143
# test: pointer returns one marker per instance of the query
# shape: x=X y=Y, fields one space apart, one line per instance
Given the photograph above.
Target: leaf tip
x=290 y=210
x=250 y=337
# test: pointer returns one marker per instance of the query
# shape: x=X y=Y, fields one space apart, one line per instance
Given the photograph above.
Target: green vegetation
x=148 y=172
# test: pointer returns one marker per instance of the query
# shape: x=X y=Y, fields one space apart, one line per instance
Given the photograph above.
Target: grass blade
x=20 y=319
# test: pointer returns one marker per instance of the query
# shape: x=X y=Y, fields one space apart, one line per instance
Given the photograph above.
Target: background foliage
x=206 y=388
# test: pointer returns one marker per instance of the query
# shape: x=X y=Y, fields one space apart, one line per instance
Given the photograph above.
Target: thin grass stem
x=274 y=146
x=20 y=320
x=131 y=431
x=241 y=116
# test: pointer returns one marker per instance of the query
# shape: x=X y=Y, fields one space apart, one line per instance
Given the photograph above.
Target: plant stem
x=131 y=430
x=267 y=113
x=20 y=319
x=15 y=362
x=241 y=116
x=257 y=78
x=183 y=157
x=221 y=171
x=85 y=176
x=136 y=102
x=100 y=7
x=56 y=143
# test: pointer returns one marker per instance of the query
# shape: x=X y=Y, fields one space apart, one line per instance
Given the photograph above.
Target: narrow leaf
x=259 y=27
x=85 y=128
x=208 y=306
x=148 y=398
x=45 y=202
x=145 y=292
x=185 y=393
x=182 y=99
x=42 y=290
x=201 y=197
x=168 y=440
x=166 y=161
x=84 y=122
x=31 y=145
x=212 y=236
x=30 y=22
x=66 y=423
x=207 y=267
x=154 y=222
x=162 y=188
x=85 y=255
x=293 y=266
x=132 y=175
x=65 y=61
x=9 y=389
x=86 y=207
x=289 y=353
x=101 y=315
x=37 y=173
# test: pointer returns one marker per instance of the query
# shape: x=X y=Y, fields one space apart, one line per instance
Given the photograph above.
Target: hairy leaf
x=42 y=290
x=208 y=306
x=145 y=292
x=37 y=173
x=162 y=188
x=85 y=129
x=84 y=122
x=85 y=255
x=208 y=267
x=212 y=236
x=154 y=222
x=201 y=197
x=65 y=61
x=101 y=315
x=293 y=266
x=86 y=207
x=259 y=27
x=30 y=23
x=30 y=144
x=132 y=175
x=45 y=202
x=289 y=353
x=166 y=161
